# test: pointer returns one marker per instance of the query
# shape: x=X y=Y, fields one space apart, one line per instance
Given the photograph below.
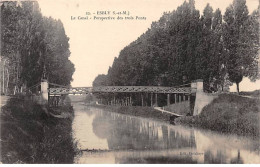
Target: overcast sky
x=95 y=43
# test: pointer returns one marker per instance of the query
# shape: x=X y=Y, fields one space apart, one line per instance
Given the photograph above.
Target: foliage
x=228 y=114
x=32 y=43
x=241 y=38
x=29 y=135
x=100 y=80
x=184 y=45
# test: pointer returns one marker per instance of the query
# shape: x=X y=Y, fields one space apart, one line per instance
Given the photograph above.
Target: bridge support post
x=168 y=99
x=142 y=98
x=156 y=100
x=44 y=91
x=114 y=100
x=175 y=98
x=151 y=99
x=179 y=98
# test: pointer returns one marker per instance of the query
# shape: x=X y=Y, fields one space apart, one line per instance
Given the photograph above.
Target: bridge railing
x=119 y=89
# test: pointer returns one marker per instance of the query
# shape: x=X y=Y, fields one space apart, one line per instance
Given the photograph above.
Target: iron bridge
x=118 y=89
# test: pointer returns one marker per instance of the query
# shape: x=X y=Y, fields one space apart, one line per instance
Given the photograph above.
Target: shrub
x=229 y=114
x=29 y=135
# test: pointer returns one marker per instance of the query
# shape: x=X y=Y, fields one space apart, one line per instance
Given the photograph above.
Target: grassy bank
x=228 y=114
x=29 y=135
x=146 y=112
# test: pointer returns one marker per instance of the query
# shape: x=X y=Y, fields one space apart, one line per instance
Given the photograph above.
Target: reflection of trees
x=89 y=111
x=156 y=160
x=238 y=159
x=210 y=158
x=221 y=158
x=102 y=127
x=125 y=132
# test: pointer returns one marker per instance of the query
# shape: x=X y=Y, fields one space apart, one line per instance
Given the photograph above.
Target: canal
x=109 y=137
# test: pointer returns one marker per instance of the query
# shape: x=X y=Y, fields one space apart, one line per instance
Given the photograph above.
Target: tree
x=210 y=57
x=31 y=43
x=205 y=53
x=240 y=42
x=56 y=58
x=100 y=80
x=11 y=41
x=254 y=32
x=183 y=46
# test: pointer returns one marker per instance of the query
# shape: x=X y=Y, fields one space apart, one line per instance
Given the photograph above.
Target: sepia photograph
x=129 y=82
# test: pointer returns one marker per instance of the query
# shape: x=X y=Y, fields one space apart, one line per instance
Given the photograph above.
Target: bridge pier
x=44 y=91
x=201 y=98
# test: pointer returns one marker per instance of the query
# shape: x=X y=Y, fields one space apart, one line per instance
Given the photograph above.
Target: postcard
x=129 y=82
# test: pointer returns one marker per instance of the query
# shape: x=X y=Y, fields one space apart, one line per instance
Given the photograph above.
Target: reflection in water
x=126 y=133
x=129 y=139
x=83 y=130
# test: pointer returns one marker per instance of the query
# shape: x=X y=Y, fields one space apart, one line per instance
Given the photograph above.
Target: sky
x=94 y=43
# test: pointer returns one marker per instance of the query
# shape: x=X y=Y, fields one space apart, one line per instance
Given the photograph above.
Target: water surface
x=129 y=139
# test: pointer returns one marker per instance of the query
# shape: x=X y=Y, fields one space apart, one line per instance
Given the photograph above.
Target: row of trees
x=184 y=45
x=30 y=46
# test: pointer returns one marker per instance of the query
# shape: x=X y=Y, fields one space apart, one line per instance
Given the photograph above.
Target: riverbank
x=228 y=114
x=146 y=112
x=30 y=135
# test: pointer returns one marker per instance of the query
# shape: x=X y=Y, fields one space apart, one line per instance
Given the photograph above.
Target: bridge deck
x=118 y=89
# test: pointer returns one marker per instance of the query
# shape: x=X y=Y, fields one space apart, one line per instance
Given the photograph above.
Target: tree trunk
x=3 y=78
x=7 y=84
x=237 y=87
x=14 y=89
